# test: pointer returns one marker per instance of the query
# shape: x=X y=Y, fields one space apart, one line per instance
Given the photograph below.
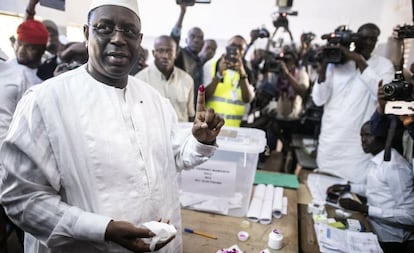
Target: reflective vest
x=227 y=100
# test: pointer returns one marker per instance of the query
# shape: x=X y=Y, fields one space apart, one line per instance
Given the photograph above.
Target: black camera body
x=231 y=54
x=191 y=2
x=406 y=31
x=332 y=54
x=282 y=21
x=398 y=89
x=308 y=37
x=272 y=62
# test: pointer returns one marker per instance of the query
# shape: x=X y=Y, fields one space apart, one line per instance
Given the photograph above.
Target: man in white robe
x=348 y=93
x=93 y=153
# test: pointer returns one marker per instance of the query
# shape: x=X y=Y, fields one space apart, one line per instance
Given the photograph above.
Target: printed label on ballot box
x=216 y=178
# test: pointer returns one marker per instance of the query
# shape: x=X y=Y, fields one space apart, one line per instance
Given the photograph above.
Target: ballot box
x=224 y=183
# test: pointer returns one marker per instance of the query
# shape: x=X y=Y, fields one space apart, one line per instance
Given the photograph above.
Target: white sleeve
x=321 y=92
x=31 y=191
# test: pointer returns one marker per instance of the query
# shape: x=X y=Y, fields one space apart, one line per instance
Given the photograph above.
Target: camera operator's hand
x=338 y=189
x=381 y=99
x=354 y=56
x=284 y=69
x=353 y=205
x=407 y=120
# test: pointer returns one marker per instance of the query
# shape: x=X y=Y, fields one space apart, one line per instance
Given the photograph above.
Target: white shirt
x=12 y=87
x=88 y=153
x=349 y=99
x=179 y=89
x=30 y=74
x=390 y=195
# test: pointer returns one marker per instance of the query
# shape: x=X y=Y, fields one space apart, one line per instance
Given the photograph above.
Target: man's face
x=370 y=143
x=366 y=42
x=164 y=54
x=239 y=44
x=209 y=49
x=113 y=39
x=29 y=54
x=195 y=40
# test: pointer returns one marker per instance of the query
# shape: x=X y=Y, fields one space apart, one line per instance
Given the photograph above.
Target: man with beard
x=172 y=82
x=32 y=37
x=348 y=93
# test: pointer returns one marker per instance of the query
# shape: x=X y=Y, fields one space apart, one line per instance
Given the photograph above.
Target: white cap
x=130 y=4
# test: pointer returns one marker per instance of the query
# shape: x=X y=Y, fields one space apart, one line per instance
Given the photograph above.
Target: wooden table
x=227 y=227
x=308 y=241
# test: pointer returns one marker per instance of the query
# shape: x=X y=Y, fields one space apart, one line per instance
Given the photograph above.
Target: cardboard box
x=224 y=183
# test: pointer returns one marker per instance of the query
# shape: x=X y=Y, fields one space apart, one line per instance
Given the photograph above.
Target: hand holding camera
x=338 y=189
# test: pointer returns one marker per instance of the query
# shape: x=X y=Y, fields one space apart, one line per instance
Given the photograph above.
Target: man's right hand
x=338 y=189
x=130 y=237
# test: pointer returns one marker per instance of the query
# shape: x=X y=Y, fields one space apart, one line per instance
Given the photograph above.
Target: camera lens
x=389 y=90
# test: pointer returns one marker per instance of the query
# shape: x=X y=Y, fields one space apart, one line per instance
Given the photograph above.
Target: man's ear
x=86 y=33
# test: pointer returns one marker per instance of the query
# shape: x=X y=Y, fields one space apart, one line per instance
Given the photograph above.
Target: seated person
x=389 y=192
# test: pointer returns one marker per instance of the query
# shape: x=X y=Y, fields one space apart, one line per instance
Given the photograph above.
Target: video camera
x=281 y=20
x=308 y=37
x=272 y=62
x=405 y=31
x=341 y=36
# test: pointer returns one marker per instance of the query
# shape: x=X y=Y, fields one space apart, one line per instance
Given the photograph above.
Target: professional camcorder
x=281 y=20
x=272 y=62
x=406 y=31
x=342 y=36
x=308 y=37
x=398 y=94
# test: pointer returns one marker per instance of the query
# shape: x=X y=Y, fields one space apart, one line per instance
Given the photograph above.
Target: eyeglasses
x=107 y=31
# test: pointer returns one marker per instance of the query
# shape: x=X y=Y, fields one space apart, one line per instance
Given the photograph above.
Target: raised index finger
x=201 y=99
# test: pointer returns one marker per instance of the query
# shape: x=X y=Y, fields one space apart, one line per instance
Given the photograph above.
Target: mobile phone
x=332 y=198
x=231 y=54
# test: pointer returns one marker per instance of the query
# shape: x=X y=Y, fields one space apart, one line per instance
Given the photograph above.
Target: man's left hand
x=207 y=123
x=353 y=205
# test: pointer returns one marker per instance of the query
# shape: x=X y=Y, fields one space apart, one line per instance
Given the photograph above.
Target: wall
x=224 y=18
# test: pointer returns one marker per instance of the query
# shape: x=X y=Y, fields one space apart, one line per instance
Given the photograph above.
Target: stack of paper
x=333 y=240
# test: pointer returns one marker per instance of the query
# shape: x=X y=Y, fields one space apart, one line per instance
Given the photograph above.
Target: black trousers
x=397 y=247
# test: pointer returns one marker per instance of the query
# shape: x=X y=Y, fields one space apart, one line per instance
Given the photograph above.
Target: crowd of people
x=62 y=177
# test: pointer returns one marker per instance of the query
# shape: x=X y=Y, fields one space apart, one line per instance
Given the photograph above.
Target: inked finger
x=201 y=99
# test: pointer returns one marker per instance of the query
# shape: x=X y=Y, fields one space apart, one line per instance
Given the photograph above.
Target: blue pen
x=191 y=231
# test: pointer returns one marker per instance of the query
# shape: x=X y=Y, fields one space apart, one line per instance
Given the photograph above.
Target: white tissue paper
x=163 y=232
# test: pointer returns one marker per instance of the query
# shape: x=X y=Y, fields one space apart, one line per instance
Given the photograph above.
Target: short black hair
x=370 y=26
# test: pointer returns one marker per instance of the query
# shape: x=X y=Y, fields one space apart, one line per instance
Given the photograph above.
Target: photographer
x=289 y=85
x=381 y=122
x=229 y=89
x=348 y=90
x=389 y=192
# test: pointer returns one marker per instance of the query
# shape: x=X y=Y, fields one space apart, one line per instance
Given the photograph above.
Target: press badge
x=234 y=95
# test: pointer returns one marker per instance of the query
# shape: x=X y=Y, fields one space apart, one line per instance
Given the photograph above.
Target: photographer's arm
x=322 y=90
x=176 y=31
x=218 y=77
x=247 y=90
x=300 y=86
x=30 y=10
